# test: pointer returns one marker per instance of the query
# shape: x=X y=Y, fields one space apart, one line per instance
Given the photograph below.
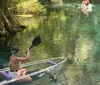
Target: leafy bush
x=31 y=7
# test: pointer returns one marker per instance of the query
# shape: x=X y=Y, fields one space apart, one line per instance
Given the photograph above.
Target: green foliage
x=31 y=7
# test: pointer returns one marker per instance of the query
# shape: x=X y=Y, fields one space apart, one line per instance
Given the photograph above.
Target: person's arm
x=20 y=59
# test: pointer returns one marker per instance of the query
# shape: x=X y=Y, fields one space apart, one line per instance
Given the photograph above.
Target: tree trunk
x=6 y=17
x=7 y=24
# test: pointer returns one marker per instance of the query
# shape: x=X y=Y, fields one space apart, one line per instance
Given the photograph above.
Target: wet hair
x=15 y=49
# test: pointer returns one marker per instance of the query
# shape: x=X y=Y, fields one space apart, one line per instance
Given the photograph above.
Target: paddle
x=35 y=42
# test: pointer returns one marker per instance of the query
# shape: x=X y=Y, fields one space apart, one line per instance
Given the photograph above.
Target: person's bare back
x=14 y=64
x=15 y=61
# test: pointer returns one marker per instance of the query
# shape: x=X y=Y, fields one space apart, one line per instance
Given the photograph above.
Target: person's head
x=15 y=50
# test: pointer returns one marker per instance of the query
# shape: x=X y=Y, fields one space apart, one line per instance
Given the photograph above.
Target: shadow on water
x=4 y=57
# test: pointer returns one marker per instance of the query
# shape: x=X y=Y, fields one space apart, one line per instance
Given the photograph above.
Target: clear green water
x=65 y=31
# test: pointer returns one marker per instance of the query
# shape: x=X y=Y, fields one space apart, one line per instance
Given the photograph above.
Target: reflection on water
x=4 y=57
x=65 y=31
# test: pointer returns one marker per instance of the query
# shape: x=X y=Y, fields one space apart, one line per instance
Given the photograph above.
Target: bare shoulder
x=12 y=58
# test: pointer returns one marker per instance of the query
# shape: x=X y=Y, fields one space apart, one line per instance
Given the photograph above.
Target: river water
x=65 y=31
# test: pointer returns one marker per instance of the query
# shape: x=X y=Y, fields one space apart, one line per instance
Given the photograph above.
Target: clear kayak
x=39 y=71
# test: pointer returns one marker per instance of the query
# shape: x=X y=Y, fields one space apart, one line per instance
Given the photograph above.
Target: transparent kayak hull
x=40 y=71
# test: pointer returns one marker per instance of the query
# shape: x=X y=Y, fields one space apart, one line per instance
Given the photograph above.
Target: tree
x=7 y=22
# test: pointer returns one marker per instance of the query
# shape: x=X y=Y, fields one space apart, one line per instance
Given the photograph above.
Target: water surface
x=67 y=32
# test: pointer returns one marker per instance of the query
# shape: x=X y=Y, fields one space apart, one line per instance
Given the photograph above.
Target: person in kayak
x=85 y=2
x=84 y=6
x=15 y=61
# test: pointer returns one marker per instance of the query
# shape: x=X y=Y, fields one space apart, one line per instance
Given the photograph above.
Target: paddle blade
x=36 y=41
